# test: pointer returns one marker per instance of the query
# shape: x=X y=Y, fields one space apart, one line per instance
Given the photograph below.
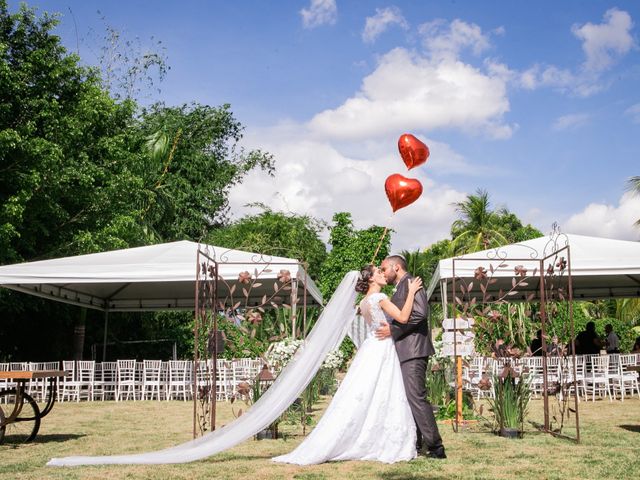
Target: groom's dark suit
x=414 y=346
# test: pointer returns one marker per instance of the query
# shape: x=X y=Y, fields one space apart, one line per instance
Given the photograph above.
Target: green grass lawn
x=610 y=448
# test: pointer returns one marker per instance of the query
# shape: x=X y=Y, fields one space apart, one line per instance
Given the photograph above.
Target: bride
x=369 y=417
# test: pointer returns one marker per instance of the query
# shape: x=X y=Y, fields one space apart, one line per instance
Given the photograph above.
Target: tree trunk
x=78 y=335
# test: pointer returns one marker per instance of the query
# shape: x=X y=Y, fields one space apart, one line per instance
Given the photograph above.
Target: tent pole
x=443 y=295
x=294 y=305
x=104 y=340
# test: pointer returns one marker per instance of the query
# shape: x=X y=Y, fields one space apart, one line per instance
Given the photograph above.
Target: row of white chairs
x=602 y=376
x=137 y=380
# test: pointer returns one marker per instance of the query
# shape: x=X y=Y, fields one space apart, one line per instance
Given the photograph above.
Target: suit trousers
x=414 y=377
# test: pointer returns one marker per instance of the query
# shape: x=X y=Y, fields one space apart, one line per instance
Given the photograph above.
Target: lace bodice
x=372 y=311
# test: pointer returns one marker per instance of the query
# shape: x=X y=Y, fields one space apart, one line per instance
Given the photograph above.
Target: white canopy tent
x=600 y=267
x=156 y=277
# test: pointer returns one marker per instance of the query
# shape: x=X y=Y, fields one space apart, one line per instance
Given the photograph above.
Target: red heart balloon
x=412 y=151
x=402 y=191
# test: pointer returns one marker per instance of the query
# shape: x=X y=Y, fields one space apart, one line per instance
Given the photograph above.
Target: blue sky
x=537 y=102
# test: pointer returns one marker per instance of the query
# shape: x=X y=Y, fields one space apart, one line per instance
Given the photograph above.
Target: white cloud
x=320 y=12
x=340 y=158
x=610 y=221
x=446 y=41
x=412 y=92
x=605 y=42
x=571 y=121
x=580 y=84
x=634 y=112
x=381 y=21
x=314 y=177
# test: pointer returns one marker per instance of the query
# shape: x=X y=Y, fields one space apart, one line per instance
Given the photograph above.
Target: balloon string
x=384 y=234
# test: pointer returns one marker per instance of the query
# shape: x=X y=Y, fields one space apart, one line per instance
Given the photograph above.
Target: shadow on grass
x=222 y=458
x=412 y=476
x=631 y=428
x=52 y=438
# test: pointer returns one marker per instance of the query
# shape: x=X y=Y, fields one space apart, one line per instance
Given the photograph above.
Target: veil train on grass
x=336 y=320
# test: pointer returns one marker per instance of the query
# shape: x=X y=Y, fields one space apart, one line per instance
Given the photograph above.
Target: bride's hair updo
x=366 y=274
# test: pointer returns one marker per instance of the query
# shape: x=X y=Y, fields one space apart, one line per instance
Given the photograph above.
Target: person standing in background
x=613 y=342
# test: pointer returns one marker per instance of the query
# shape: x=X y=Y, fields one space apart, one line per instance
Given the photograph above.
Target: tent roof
x=600 y=267
x=155 y=277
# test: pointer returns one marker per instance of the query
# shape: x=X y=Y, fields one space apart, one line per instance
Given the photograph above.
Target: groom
x=414 y=347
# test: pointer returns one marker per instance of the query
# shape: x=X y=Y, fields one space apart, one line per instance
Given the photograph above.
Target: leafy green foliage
x=82 y=172
x=275 y=233
x=351 y=250
x=64 y=149
x=479 y=227
x=510 y=401
x=188 y=185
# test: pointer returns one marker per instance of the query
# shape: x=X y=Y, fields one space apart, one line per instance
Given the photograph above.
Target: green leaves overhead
x=81 y=172
x=351 y=250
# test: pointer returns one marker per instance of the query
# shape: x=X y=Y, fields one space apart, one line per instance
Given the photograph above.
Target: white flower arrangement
x=280 y=353
x=333 y=360
x=437 y=346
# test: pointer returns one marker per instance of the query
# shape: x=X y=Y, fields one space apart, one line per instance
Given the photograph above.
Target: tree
x=351 y=250
x=276 y=233
x=633 y=185
x=194 y=168
x=476 y=229
x=513 y=229
x=415 y=263
x=480 y=228
x=65 y=185
x=77 y=174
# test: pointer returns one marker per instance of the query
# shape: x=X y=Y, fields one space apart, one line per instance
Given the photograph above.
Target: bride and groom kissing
x=380 y=411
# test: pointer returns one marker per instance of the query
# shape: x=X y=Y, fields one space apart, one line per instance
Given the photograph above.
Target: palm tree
x=478 y=226
x=415 y=263
x=628 y=310
x=633 y=185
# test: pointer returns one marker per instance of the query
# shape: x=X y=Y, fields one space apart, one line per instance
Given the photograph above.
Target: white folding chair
x=179 y=380
x=35 y=387
x=536 y=373
x=126 y=380
x=597 y=379
x=4 y=382
x=151 y=381
x=85 y=378
x=68 y=385
x=624 y=379
x=574 y=383
x=104 y=386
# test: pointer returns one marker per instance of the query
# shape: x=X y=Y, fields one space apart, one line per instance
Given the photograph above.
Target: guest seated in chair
x=636 y=346
x=554 y=349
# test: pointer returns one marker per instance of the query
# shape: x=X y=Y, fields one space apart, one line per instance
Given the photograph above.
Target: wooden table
x=24 y=409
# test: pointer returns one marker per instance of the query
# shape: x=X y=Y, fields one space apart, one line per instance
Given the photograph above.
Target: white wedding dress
x=369 y=417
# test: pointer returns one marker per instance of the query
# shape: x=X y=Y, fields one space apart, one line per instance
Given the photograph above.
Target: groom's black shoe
x=437 y=452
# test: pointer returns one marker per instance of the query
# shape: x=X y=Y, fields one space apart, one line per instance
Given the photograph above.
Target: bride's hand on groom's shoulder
x=415 y=284
x=383 y=332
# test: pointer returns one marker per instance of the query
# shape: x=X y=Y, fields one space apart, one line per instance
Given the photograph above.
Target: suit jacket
x=412 y=339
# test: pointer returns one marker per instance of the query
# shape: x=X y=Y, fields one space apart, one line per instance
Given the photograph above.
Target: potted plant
x=251 y=393
x=510 y=402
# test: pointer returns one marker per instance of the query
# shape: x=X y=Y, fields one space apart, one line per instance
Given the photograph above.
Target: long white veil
x=330 y=329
